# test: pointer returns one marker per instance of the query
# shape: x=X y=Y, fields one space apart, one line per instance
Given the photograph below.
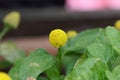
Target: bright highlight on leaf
x=71 y=33
x=117 y=24
x=58 y=38
x=4 y=76
x=31 y=78
x=12 y=19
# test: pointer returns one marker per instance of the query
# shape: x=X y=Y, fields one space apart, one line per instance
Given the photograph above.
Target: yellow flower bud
x=71 y=33
x=58 y=38
x=12 y=19
x=4 y=76
x=117 y=24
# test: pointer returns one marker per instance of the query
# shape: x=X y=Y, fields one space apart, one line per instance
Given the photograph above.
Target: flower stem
x=4 y=31
x=59 y=59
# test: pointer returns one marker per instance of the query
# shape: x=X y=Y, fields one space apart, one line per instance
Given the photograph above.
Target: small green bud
x=12 y=19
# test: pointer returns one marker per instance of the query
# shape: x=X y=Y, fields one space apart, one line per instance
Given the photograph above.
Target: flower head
x=117 y=24
x=12 y=19
x=71 y=33
x=57 y=38
x=4 y=76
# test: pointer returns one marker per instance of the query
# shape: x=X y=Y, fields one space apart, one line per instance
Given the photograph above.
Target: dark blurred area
x=39 y=17
x=30 y=3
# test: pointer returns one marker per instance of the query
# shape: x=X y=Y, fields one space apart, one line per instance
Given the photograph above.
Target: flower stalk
x=4 y=31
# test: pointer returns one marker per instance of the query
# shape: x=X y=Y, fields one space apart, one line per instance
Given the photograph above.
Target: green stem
x=4 y=31
x=59 y=59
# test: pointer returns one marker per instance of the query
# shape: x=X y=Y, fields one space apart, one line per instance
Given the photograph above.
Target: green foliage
x=53 y=73
x=102 y=51
x=114 y=37
x=38 y=62
x=14 y=72
x=115 y=74
x=93 y=54
x=10 y=52
x=69 y=62
x=79 y=43
x=4 y=64
x=98 y=46
x=90 y=69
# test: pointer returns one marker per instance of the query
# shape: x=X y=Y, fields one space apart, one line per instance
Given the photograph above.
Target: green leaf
x=90 y=69
x=69 y=62
x=110 y=76
x=79 y=43
x=42 y=78
x=114 y=37
x=115 y=62
x=5 y=64
x=101 y=51
x=37 y=62
x=53 y=73
x=14 y=71
x=102 y=37
x=114 y=75
x=10 y=52
x=116 y=72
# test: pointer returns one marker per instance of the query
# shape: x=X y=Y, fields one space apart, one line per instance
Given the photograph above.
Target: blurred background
x=39 y=17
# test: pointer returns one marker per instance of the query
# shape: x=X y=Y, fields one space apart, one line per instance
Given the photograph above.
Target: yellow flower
x=117 y=24
x=4 y=76
x=12 y=19
x=71 y=33
x=58 y=38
